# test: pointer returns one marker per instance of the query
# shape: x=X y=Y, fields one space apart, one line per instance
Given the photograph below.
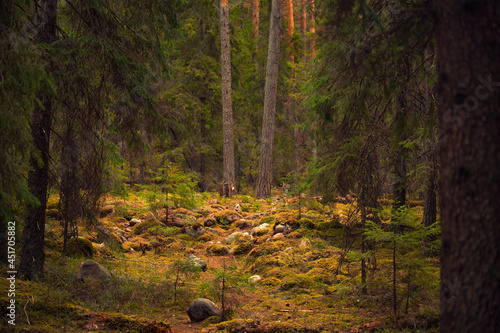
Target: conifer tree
x=271 y=88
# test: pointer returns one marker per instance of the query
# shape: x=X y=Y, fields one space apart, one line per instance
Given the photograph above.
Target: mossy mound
x=204 y=238
x=306 y=223
x=79 y=247
x=297 y=281
x=107 y=210
x=218 y=250
x=144 y=226
x=319 y=274
x=227 y=217
x=242 y=248
x=267 y=248
x=271 y=281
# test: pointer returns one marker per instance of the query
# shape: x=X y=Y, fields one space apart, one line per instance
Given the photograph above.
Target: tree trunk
x=227 y=108
x=33 y=238
x=313 y=30
x=430 y=200
x=469 y=96
x=291 y=28
x=255 y=17
x=271 y=87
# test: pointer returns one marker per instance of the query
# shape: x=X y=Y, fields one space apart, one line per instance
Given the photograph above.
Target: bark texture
x=255 y=17
x=271 y=88
x=227 y=108
x=33 y=237
x=469 y=98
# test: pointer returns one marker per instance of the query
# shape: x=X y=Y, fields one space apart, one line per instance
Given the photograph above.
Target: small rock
x=213 y=231
x=280 y=228
x=179 y=222
x=133 y=222
x=279 y=236
x=197 y=262
x=237 y=208
x=92 y=268
x=201 y=309
x=234 y=236
x=254 y=278
x=209 y=222
x=195 y=230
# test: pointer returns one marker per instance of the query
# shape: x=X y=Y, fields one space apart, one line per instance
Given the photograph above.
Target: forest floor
x=310 y=274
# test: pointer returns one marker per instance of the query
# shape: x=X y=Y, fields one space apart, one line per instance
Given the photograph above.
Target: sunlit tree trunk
x=255 y=17
x=313 y=29
x=33 y=237
x=227 y=108
x=271 y=87
x=468 y=101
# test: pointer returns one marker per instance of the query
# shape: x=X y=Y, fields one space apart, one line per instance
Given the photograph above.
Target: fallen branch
x=25 y=305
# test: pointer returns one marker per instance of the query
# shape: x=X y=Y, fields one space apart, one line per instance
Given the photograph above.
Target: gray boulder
x=201 y=309
x=197 y=262
x=91 y=268
x=195 y=230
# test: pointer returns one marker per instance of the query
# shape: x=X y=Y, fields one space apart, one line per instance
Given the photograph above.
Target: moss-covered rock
x=80 y=247
x=107 y=210
x=267 y=248
x=297 y=281
x=271 y=281
x=226 y=217
x=242 y=248
x=144 y=226
x=218 y=250
x=319 y=274
x=306 y=223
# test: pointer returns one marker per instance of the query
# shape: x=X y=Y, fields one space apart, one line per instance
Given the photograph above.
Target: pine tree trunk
x=469 y=99
x=430 y=201
x=255 y=17
x=313 y=29
x=33 y=237
x=227 y=108
x=271 y=88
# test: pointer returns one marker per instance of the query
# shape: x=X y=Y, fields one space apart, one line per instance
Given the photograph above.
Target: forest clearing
x=308 y=267
x=249 y=166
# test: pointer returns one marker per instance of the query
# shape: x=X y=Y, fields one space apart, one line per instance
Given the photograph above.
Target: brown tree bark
x=227 y=108
x=255 y=17
x=33 y=237
x=291 y=27
x=469 y=97
x=271 y=88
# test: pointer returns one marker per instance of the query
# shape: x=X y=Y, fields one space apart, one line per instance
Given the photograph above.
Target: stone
x=213 y=231
x=133 y=222
x=91 y=268
x=260 y=227
x=279 y=236
x=197 y=262
x=194 y=230
x=233 y=237
x=202 y=308
x=254 y=278
x=209 y=222
x=280 y=228
x=178 y=222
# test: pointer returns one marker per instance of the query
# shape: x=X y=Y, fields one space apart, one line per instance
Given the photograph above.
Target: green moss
x=297 y=281
x=319 y=274
x=242 y=248
x=306 y=223
x=144 y=226
x=271 y=281
x=218 y=249
x=80 y=247
x=267 y=248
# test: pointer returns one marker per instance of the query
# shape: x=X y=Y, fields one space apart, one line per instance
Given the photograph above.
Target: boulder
x=209 y=222
x=263 y=226
x=91 y=268
x=197 y=262
x=280 y=228
x=233 y=237
x=201 y=309
x=194 y=230
x=279 y=236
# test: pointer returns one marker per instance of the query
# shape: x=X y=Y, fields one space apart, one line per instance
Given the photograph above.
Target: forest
x=249 y=166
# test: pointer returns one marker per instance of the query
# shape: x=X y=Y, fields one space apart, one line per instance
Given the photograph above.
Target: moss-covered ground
x=310 y=275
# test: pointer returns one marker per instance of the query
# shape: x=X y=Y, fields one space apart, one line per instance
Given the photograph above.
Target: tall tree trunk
x=255 y=17
x=303 y=30
x=227 y=108
x=313 y=29
x=430 y=199
x=271 y=88
x=33 y=238
x=469 y=99
x=291 y=28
